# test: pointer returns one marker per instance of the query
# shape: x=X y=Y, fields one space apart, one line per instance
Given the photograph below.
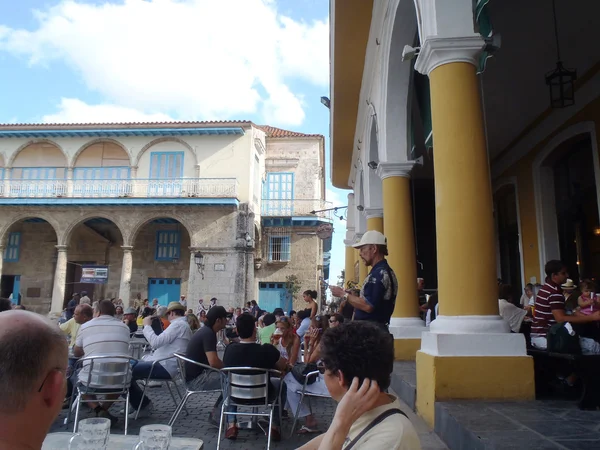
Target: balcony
x=137 y=191
x=297 y=208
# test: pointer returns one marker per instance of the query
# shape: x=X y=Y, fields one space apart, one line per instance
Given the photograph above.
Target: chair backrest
x=182 y=360
x=106 y=372
x=248 y=385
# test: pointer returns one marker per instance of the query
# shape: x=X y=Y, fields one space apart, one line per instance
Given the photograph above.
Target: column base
x=407 y=333
x=471 y=365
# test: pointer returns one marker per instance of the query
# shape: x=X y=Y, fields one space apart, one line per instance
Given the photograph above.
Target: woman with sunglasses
x=336 y=320
x=286 y=341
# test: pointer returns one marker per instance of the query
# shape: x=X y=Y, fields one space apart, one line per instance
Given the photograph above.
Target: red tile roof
x=273 y=132
x=189 y=124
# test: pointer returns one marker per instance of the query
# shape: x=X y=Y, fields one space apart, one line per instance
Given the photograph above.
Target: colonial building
x=475 y=168
x=159 y=210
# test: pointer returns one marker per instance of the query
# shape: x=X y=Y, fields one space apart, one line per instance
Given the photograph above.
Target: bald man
x=33 y=363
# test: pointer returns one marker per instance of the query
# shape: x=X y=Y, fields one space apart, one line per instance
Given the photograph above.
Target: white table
x=60 y=441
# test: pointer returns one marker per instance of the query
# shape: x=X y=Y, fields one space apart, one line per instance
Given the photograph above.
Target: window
x=166 y=165
x=11 y=253
x=168 y=244
x=278 y=194
x=101 y=173
x=280 y=248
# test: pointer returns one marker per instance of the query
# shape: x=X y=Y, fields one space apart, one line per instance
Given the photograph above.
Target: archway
x=28 y=262
x=566 y=178
x=161 y=260
x=94 y=243
x=508 y=227
x=39 y=169
x=102 y=159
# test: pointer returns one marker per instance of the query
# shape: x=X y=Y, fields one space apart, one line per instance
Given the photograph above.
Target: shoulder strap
x=376 y=421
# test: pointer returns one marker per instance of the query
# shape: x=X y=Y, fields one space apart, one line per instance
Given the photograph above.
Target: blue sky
x=143 y=60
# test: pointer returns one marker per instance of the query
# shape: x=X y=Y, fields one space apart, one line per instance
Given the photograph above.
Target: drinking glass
x=154 y=437
x=93 y=434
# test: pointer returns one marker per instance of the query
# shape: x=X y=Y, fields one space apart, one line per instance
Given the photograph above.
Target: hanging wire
x=555 y=29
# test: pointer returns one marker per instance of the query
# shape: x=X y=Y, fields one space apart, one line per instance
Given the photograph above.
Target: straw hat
x=569 y=284
x=173 y=306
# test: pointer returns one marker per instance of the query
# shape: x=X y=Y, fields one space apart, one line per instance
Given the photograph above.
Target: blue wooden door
x=16 y=290
x=166 y=290
x=166 y=173
x=271 y=296
x=278 y=194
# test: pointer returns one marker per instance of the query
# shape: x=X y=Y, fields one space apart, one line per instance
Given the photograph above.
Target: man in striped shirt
x=550 y=305
x=103 y=335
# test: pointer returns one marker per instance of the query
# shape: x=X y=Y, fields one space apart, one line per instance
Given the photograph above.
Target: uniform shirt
x=395 y=432
x=103 y=335
x=70 y=328
x=379 y=290
x=174 y=339
x=549 y=298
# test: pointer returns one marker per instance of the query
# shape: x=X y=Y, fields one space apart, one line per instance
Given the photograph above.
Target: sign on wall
x=94 y=274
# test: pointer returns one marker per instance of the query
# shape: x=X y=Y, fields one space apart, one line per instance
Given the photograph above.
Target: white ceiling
x=515 y=92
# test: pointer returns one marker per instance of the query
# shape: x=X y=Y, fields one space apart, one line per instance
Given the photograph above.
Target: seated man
x=247 y=353
x=359 y=388
x=265 y=333
x=203 y=349
x=174 y=339
x=130 y=319
x=103 y=335
x=33 y=385
x=83 y=314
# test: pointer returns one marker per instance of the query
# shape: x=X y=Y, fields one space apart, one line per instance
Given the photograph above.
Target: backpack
x=561 y=341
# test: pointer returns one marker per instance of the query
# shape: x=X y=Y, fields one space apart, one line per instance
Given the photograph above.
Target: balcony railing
x=137 y=188
x=295 y=208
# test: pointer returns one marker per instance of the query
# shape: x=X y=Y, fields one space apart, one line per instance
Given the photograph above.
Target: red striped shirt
x=549 y=298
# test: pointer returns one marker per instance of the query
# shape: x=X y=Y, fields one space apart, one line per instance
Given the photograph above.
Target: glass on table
x=93 y=434
x=154 y=437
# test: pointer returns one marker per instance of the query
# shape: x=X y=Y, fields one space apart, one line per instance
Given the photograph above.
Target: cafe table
x=60 y=441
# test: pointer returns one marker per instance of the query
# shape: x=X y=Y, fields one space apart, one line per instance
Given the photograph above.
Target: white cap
x=371 y=238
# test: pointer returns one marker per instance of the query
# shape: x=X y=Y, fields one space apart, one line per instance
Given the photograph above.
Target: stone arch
x=37 y=215
x=543 y=181
x=158 y=141
x=400 y=29
x=99 y=141
x=12 y=158
x=65 y=238
x=129 y=239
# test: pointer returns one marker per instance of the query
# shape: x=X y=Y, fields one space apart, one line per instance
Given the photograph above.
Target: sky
x=75 y=61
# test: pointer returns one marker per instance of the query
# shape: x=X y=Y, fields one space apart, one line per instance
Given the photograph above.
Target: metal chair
x=249 y=387
x=169 y=382
x=181 y=360
x=137 y=348
x=107 y=375
x=303 y=394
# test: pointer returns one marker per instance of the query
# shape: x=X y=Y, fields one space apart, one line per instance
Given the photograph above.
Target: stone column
x=7 y=177
x=363 y=270
x=126 y=269
x=60 y=280
x=70 y=182
x=2 y=247
x=468 y=342
x=349 y=263
x=250 y=277
x=194 y=292
x=374 y=219
x=405 y=325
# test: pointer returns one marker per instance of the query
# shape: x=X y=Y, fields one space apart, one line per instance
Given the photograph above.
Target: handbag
x=301 y=370
x=560 y=340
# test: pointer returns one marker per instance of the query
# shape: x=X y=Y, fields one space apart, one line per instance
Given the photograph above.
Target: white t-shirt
x=395 y=432
x=103 y=335
x=512 y=314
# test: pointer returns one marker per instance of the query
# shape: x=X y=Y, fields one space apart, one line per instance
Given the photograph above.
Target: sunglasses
x=332 y=320
x=55 y=369
x=321 y=367
x=283 y=319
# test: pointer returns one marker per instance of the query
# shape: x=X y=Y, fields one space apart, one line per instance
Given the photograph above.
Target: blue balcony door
x=278 y=194
x=166 y=173
x=103 y=181
x=166 y=290
x=52 y=176
x=271 y=296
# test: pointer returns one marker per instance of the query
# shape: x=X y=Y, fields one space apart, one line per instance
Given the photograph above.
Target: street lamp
x=199 y=260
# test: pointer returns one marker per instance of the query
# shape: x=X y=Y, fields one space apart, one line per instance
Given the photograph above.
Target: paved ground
x=196 y=424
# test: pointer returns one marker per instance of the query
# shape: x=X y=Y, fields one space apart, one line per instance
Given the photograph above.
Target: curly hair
x=359 y=349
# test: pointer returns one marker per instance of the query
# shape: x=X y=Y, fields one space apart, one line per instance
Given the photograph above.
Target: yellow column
x=375 y=223
x=363 y=270
x=405 y=325
x=474 y=344
x=349 y=265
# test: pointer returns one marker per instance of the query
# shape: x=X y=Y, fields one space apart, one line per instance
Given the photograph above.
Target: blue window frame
x=278 y=194
x=12 y=250
x=39 y=173
x=280 y=249
x=101 y=173
x=166 y=165
x=168 y=245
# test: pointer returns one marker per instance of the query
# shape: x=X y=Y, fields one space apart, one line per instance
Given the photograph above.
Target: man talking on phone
x=377 y=297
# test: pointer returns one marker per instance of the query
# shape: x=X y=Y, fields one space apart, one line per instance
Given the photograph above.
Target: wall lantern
x=560 y=80
x=199 y=260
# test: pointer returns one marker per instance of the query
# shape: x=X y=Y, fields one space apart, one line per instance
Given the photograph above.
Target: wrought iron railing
x=295 y=208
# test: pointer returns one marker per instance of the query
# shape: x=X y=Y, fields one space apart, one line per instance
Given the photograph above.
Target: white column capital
x=371 y=213
x=437 y=51
x=127 y=248
x=62 y=248
x=395 y=169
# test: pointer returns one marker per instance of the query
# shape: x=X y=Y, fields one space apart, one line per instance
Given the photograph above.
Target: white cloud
x=193 y=59
x=75 y=111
